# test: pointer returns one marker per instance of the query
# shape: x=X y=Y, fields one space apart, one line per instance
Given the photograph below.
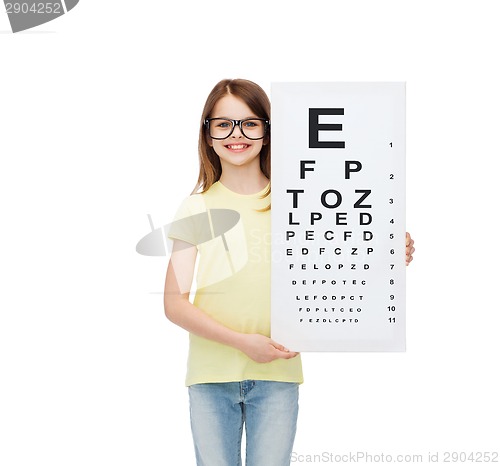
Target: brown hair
x=256 y=99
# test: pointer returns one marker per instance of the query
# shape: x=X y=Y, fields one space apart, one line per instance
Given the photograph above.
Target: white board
x=338 y=216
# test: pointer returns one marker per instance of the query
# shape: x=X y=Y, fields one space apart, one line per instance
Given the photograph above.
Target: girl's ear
x=208 y=139
x=265 y=142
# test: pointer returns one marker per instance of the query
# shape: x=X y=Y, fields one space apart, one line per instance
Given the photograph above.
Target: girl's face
x=236 y=150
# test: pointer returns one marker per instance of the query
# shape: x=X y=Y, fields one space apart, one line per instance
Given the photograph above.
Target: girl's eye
x=223 y=124
x=251 y=123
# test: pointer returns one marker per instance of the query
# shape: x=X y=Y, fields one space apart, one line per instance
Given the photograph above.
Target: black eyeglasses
x=251 y=128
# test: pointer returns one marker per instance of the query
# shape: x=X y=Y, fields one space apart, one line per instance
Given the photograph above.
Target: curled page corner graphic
x=70 y=4
x=27 y=14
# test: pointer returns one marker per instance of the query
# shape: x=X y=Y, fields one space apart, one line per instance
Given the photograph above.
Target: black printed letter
x=315 y=127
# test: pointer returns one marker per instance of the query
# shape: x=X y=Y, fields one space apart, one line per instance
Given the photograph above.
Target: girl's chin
x=236 y=160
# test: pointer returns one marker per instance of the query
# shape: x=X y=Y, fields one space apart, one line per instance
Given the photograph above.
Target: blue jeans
x=268 y=410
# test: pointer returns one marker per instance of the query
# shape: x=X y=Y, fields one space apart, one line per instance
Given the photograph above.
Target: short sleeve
x=190 y=223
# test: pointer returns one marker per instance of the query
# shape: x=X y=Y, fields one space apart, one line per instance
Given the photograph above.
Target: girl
x=237 y=375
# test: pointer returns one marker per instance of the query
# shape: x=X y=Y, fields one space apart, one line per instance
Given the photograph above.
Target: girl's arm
x=182 y=312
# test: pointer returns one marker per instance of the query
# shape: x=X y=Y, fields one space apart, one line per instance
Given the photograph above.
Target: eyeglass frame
x=238 y=123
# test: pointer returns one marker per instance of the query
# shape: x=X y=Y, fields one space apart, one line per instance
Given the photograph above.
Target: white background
x=99 y=115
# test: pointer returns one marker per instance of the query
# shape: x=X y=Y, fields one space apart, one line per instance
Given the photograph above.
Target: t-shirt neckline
x=244 y=195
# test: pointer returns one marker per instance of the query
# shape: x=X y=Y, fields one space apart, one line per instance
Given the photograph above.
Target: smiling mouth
x=237 y=146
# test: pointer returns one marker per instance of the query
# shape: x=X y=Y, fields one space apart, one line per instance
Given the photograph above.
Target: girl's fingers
x=278 y=346
x=409 y=248
x=409 y=241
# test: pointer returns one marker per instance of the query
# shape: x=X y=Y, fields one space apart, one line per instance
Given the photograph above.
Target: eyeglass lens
x=252 y=129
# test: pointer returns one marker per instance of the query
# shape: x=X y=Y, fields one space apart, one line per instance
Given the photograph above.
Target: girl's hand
x=262 y=349
x=409 y=248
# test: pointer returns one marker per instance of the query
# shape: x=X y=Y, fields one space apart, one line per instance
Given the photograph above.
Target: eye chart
x=338 y=216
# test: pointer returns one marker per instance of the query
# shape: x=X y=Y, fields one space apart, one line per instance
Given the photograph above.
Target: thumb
x=278 y=346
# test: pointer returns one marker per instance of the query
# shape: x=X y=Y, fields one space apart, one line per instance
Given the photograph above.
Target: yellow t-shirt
x=233 y=282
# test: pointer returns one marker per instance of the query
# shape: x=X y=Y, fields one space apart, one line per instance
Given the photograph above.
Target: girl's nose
x=237 y=132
